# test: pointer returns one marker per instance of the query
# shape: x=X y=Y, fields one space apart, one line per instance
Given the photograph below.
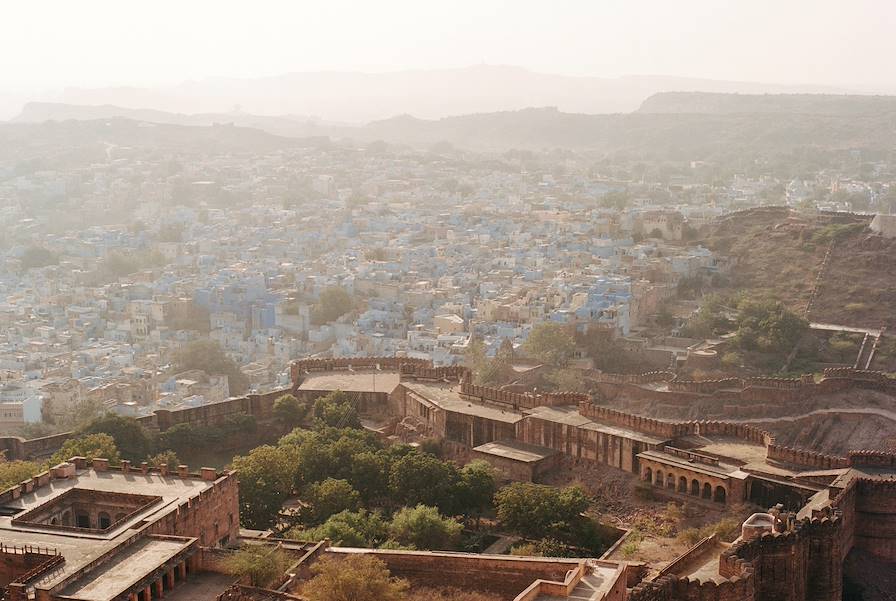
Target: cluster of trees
x=344 y=469
x=208 y=356
x=38 y=256
x=489 y=371
x=768 y=326
x=553 y=518
x=334 y=302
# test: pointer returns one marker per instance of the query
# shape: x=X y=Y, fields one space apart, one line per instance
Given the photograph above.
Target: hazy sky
x=94 y=43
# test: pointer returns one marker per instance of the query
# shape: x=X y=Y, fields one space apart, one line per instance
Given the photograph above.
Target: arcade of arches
x=694 y=484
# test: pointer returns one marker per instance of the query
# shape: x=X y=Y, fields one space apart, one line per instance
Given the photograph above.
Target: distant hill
x=37 y=112
x=665 y=135
x=428 y=94
x=727 y=104
x=61 y=143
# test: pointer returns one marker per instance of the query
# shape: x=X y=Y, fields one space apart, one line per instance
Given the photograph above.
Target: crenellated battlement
x=805 y=458
x=70 y=468
x=353 y=363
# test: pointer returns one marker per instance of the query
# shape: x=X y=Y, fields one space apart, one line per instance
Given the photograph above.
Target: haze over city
x=478 y=301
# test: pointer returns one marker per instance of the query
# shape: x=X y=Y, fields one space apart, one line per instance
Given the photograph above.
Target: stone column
x=171 y=578
x=160 y=590
x=147 y=593
x=182 y=570
x=132 y=597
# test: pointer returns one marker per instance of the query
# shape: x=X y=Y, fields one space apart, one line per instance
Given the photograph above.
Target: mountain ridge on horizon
x=353 y=97
x=697 y=124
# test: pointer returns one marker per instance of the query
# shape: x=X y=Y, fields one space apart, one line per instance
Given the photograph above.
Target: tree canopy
x=536 y=510
x=289 y=411
x=267 y=475
x=355 y=578
x=334 y=302
x=423 y=527
x=208 y=356
x=261 y=565
x=327 y=498
x=551 y=344
x=131 y=439
x=337 y=409
x=89 y=446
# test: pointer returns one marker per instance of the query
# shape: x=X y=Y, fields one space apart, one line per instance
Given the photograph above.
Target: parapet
x=69 y=469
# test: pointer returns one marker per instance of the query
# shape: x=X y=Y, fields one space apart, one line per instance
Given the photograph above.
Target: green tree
x=267 y=476
x=423 y=527
x=260 y=564
x=327 y=498
x=15 y=472
x=89 y=446
x=477 y=487
x=289 y=411
x=38 y=256
x=421 y=478
x=768 y=326
x=536 y=510
x=168 y=458
x=348 y=529
x=334 y=302
x=337 y=409
x=551 y=344
x=355 y=578
x=131 y=439
x=208 y=356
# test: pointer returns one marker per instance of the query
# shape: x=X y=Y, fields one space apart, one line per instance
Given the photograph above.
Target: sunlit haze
x=99 y=43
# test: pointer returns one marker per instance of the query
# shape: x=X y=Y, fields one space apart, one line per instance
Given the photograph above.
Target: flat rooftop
x=125 y=569
x=81 y=547
x=352 y=381
x=447 y=397
x=570 y=416
x=719 y=471
x=516 y=451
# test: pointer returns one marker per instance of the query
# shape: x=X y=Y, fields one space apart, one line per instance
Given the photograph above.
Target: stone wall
x=749 y=390
x=345 y=363
x=647 y=425
x=505 y=576
x=259 y=406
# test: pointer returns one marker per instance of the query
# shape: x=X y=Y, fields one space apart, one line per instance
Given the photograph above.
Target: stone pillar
x=182 y=570
x=171 y=578
x=160 y=590
x=132 y=597
x=147 y=593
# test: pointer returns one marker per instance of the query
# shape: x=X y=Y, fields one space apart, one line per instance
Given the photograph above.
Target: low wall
x=754 y=390
x=260 y=406
x=502 y=575
x=344 y=363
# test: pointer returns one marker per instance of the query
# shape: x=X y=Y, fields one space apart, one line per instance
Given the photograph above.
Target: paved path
x=835 y=328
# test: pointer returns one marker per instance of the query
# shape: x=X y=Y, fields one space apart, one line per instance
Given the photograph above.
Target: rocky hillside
x=780 y=253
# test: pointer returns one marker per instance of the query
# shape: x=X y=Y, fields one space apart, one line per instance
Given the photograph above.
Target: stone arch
x=670 y=481
x=659 y=478
x=720 y=494
x=695 y=487
x=54 y=521
x=648 y=474
x=104 y=520
x=683 y=484
x=82 y=519
x=707 y=490
x=66 y=518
